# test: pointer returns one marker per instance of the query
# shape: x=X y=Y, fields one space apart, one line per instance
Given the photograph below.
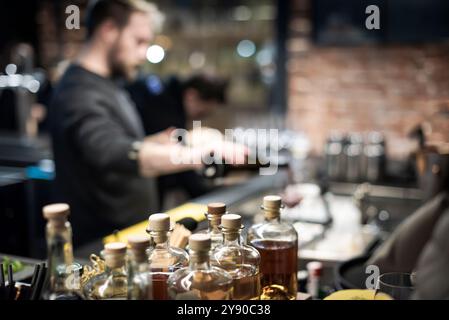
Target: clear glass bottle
x=200 y=280
x=139 y=281
x=162 y=258
x=113 y=283
x=63 y=278
x=239 y=260
x=214 y=213
x=277 y=243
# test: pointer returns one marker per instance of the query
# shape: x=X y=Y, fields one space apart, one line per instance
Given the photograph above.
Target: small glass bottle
x=63 y=278
x=315 y=269
x=163 y=259
x=214 y=213
x=113 y=283
x=200 y=281
x=239 y=260
x=277 y=243
x=139 y=281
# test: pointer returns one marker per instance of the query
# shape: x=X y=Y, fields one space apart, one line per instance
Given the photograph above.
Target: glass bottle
x=315 y=270
x=163 y=259
x=239 y=260
x=139 y=281
x=63 y=278
x=277 y=243
x=200 y=280
x=214 y=213
x=113 y=283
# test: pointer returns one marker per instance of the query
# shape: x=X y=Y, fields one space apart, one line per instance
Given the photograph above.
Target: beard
x=119 y=68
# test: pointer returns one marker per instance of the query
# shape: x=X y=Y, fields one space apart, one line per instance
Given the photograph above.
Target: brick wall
x=57 y=43
x=387 y=88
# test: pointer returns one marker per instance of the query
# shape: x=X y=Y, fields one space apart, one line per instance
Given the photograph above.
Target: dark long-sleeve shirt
x=93 y=125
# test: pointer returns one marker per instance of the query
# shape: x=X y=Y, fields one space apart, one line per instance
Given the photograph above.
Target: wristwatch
x=134 y=152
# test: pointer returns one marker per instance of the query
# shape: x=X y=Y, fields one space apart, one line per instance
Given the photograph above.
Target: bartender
x=177 y=103
x=104 y=162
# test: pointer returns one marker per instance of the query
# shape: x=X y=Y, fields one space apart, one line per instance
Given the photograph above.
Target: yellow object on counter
x=353 y=294
x=195 y=211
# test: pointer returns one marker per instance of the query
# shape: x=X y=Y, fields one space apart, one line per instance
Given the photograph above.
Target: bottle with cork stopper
x=163 y=259
x=200 y=280
x=214 y=213
x=239 y=260
x=139 y=280
x=113 y=283
x=63 y=278
x=277 y=243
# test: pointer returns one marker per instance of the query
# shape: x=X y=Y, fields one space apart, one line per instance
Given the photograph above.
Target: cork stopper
x=231 y=221
x=216 y=208
x=231 y=224
x=272 y=205
x=159 y=222
x=56 y=211
x=272 y=202
x=114 y=254
x=138 y=245
x=158 y=227
x=138 y=242
x=56 y=215
x=115 y=248
x=200 y=242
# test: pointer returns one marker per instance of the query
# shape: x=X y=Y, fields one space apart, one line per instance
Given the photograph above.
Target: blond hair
x=119 y=11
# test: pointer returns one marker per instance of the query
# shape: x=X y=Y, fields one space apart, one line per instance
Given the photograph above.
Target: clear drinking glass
x=395 y=286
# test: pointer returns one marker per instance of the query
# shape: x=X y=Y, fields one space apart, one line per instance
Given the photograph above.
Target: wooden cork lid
x=138 y=242
x=231 y=221
x=216 y=208
x=159 y=222
x=58 y=211
x=199 y=242
x=115 y=248
x=272 y=202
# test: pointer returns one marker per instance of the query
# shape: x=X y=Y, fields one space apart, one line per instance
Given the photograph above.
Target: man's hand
x=159 y=158
x=160 y=154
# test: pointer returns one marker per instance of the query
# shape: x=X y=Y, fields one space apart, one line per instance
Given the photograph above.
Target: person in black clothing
x=104 y=160
x=176 y=103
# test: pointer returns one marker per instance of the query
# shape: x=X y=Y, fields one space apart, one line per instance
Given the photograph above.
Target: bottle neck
x=231 y=237
x=59 y=243
x=116 y=270
x=272 y=216
x=115 y=265
x=161 y=239
x=214 y=223
x=139 y=261
x=199 y=260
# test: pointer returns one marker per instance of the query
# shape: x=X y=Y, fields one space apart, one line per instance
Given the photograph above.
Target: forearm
x=157 y=159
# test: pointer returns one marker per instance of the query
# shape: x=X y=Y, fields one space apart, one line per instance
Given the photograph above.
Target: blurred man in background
x=104 y=161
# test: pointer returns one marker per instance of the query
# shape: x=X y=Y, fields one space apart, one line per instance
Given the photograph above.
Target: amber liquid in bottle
x=163 y=259
x=160 y=288
x=239 y=260
x=279 y=264
x=247 y=287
